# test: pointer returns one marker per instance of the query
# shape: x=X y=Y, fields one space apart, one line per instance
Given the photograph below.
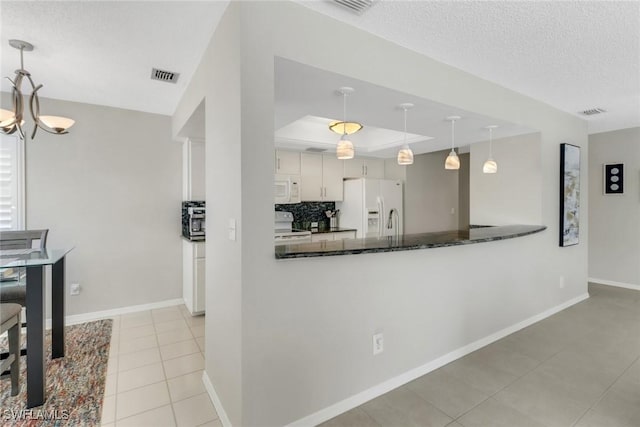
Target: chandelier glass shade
x=453 y=161
x=13 y=121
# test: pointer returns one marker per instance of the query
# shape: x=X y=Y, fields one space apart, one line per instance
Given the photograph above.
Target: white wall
x=111 y=188
x=217 y=80
x=463 y=191
x=305 y=325
x=614 y=220
x=514 y=194
x=430 y=193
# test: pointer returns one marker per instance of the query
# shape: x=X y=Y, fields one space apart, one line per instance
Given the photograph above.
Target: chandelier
x=12 y=121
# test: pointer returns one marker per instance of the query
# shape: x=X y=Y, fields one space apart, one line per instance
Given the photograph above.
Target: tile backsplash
x=308 y=212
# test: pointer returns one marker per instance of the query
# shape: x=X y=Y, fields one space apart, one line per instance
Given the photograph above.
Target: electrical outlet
x=74 y=289
x=561 y=284
x=378 y=343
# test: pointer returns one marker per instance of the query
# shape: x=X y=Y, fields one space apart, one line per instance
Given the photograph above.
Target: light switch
x=232 y=229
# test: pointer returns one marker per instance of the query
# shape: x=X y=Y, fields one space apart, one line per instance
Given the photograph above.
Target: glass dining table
x=34 y=261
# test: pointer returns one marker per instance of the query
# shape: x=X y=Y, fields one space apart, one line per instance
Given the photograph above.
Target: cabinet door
x=311 y=189
x=374 y=168
x=287 y=162
x=344 y=235
x=199 y=284
x=332 y=170
x=353 y=168
x=322 y=237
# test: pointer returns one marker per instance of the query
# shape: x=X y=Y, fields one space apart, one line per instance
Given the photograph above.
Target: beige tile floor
x=154 y=376
x=580 y=367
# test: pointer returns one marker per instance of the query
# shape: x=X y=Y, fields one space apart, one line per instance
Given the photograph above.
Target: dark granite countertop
x=330 y=230
x=406 y=242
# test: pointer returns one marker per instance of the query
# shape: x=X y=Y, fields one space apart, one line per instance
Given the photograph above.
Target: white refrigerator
x=373 y=207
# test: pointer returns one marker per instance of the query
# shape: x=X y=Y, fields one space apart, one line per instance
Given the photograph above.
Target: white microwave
x=287 y=189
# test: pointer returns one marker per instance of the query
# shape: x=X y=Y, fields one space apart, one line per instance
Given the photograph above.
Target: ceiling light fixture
x=453 y=161
x=490 y=166
x=12 y=121
x=405 y=155
x=344 y=150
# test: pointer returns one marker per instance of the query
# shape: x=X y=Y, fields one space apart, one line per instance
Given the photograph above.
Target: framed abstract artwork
x=569 y=195
x=613 y=178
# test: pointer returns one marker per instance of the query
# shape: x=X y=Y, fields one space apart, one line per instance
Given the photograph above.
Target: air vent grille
x=593 y=111
x=355 y=6
x=164 y=76
x=315 y=150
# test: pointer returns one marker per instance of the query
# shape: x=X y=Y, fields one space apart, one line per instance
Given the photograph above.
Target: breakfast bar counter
x=406 y=242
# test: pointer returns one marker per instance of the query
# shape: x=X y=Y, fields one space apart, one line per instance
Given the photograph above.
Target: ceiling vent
x=356 y=6
x=164 y=76
x=593 y=111
x=315 y=150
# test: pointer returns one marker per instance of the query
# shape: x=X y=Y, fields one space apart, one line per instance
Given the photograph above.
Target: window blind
x=10 y=183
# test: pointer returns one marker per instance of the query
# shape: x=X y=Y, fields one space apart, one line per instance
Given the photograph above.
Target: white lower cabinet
x=343 y=235
x=329 y=237
x=193 y=276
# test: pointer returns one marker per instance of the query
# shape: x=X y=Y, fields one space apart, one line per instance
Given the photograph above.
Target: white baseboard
x=393 y=383
x=215 y=400
x=74 y=319
x=612 y=283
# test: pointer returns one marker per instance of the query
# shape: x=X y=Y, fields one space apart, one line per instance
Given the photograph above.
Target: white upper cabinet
x=193 y=169
x=287 y=162
x=311 y=188
x=364 y=168
x=332 y=174
x=320 y=178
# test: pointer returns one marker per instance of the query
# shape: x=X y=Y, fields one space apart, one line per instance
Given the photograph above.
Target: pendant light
x=344 y=150
x=405 y=155
x=452 y=162
x=490 y=166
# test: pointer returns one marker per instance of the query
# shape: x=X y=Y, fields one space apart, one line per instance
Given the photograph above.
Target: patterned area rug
x=75 y=383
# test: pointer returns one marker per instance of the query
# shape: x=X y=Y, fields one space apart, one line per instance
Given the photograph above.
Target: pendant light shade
x=490 y=166
x=453 y=161
x=405 y=155
x=344 y=150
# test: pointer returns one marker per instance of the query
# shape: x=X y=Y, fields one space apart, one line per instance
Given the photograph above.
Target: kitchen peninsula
x=406 y=242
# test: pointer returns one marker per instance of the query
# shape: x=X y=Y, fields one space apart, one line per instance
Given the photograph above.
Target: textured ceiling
x=102 y=52
x=573 y=55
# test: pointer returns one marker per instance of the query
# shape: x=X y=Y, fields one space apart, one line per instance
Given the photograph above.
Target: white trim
x=74 y=319
x=386 y=386
x=612 y=283
x=215 y=400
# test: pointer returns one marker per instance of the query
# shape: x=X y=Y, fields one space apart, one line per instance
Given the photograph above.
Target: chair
x=10 y=321
x=13 y=288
